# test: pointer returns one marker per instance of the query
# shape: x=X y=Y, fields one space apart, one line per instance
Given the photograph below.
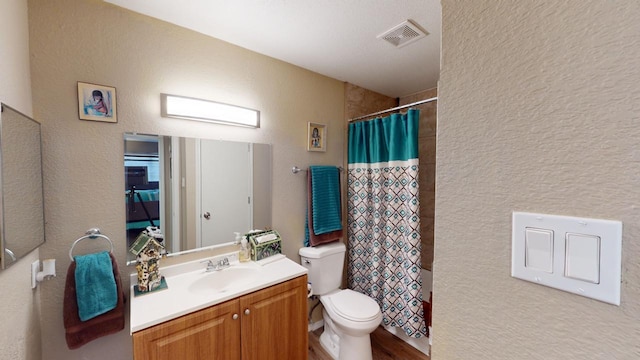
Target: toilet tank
x=325 y=264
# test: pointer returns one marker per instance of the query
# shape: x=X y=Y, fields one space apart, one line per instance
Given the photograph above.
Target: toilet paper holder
x=48 y=271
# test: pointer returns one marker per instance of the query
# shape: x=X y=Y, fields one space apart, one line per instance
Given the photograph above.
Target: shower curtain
x=383 y=218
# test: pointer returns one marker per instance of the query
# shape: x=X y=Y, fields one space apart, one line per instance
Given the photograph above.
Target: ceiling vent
x=403 y=34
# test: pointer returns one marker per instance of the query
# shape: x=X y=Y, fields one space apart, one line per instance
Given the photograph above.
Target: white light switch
x=578 y=255
x=582 y=257
x=539 y=249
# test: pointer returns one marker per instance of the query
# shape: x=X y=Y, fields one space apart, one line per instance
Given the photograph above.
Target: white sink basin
x=225 y=280
x=190 y=288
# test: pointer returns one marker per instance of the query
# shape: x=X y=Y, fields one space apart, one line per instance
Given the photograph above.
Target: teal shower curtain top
x=384 y=139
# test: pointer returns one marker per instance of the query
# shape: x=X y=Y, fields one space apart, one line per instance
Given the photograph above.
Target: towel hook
x=90 y=234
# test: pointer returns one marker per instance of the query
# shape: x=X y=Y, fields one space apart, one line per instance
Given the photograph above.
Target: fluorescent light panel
x=205 y=110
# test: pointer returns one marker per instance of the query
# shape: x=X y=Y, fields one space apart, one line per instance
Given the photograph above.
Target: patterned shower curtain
x=383 y=219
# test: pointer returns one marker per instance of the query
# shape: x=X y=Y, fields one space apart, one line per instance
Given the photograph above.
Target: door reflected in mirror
x=196 y=192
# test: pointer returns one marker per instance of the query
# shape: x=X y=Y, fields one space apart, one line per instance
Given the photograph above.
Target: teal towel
x=96 y=289
x=325 y=188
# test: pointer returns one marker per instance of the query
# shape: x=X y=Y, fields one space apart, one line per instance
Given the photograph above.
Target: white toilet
x=349 y=316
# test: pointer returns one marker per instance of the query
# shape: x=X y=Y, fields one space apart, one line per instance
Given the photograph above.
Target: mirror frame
x=4 y=251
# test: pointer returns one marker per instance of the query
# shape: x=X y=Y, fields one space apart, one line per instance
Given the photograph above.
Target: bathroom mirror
x=196 y=192
x=21 y=196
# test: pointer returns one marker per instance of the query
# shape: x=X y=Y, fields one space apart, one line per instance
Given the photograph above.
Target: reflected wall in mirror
x=22 y=210
x=197 y=192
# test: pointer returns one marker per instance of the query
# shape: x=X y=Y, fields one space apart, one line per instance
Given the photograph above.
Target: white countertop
x=177 y=300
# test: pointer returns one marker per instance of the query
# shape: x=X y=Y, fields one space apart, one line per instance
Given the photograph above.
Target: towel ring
x=90 y=234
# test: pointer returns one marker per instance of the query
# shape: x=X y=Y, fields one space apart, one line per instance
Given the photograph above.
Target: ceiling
x=336 y=38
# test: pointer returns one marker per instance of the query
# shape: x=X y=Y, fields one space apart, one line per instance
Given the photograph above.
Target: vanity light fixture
x=210 y=111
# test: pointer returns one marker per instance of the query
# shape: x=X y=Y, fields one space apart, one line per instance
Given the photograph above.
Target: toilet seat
x=352 y=305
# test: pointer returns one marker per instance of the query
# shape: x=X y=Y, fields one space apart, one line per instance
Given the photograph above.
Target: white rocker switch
x=582 y=257
x=539 y=249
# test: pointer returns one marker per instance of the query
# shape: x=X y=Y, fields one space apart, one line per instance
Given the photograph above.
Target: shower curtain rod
x=395 y=108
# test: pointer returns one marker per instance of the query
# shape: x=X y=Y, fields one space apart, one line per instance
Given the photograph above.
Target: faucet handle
x=210 y=264
x=218 y=265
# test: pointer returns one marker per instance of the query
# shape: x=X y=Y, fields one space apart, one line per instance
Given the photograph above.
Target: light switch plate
x=595 y=273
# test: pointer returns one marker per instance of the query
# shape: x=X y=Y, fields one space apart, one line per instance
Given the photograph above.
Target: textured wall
x=538 y=111
x=91 y=41
x=20 y=329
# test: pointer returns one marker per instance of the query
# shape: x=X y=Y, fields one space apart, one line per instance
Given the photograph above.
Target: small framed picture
x=317 y=137
x=97 y=102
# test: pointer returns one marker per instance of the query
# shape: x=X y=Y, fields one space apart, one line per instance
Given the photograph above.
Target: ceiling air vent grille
x=403 y=34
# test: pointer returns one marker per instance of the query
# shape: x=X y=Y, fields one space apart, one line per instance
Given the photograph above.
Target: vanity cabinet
x=210 y=333
x=267 y=324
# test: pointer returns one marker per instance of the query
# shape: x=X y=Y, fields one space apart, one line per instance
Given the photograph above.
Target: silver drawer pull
x=247 y=311
x=235 y=316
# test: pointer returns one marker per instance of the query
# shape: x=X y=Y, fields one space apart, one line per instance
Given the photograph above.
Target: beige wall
x=20 y=330
x=90 y=41
x=15 y=79
x=538 y=111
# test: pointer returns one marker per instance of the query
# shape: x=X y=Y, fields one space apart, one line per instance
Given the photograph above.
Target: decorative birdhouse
x=148 y=252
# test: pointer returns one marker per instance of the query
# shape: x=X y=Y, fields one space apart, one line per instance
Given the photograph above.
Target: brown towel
x=79 y=332
x=315 y=240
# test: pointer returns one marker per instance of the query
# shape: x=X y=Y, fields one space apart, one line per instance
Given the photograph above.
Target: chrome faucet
x=217 y=266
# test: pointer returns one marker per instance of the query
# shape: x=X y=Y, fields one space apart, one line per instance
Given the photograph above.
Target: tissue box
x=264 y=244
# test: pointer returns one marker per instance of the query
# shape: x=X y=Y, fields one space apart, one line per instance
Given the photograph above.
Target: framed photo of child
x=317 y=137
x=97 y=102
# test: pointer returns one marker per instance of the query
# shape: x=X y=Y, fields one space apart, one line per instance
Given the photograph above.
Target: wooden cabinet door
x=209 y=334
x=274 y=322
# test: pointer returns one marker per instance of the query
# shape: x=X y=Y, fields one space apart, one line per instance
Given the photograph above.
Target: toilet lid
x=354 y=306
